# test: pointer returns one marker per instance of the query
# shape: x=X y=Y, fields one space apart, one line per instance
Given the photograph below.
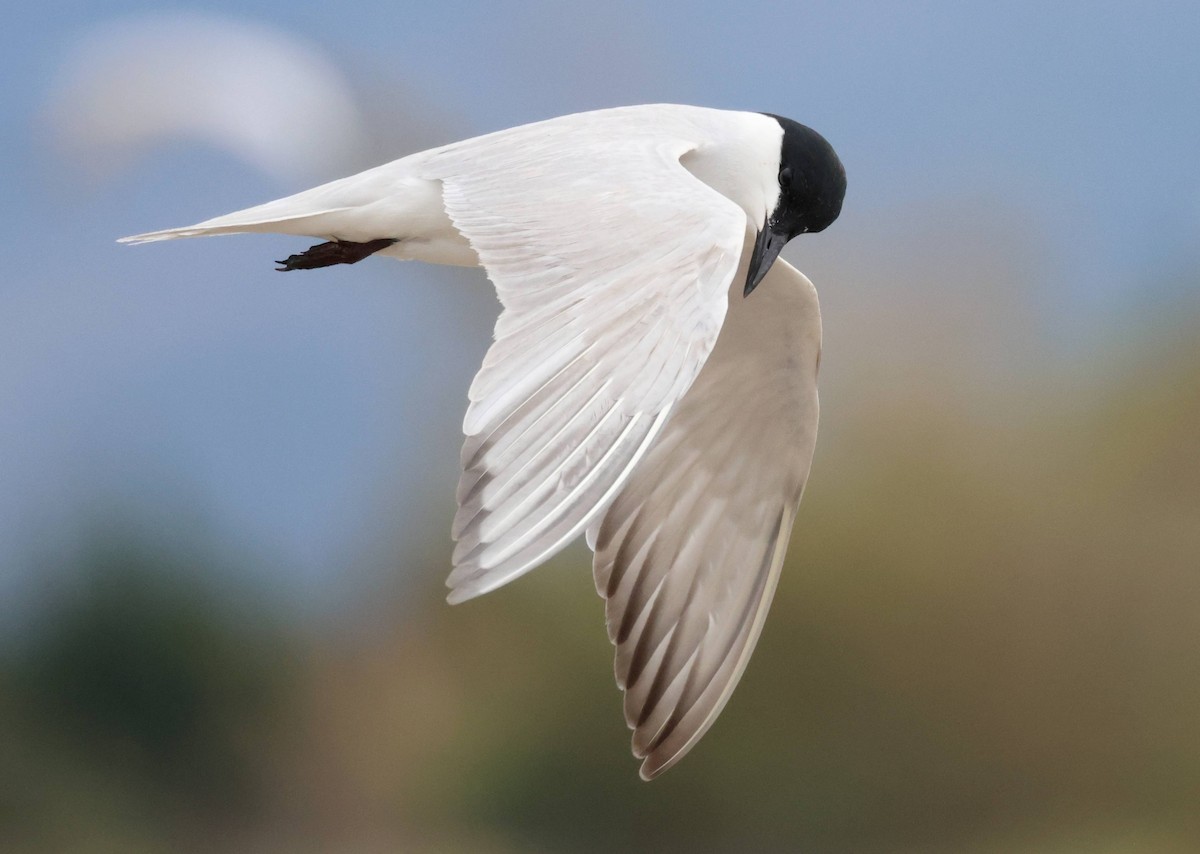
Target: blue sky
x=309 y=422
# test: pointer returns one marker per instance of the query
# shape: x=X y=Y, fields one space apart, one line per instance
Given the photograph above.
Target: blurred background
x=225 y=494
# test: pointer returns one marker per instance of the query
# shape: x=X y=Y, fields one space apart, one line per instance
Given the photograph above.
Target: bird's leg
x=333 y=252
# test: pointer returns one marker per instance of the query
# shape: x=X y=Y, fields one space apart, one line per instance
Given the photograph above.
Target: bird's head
x=812 y=184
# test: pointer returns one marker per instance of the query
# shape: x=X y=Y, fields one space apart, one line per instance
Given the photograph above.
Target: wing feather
x=689 y=553
x=607 y=319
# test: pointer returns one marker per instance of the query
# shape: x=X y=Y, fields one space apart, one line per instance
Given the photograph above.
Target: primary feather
x=688 y=555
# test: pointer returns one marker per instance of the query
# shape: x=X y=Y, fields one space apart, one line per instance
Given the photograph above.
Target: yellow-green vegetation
x=987 y=639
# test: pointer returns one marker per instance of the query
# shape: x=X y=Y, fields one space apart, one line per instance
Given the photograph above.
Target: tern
x=652 y=381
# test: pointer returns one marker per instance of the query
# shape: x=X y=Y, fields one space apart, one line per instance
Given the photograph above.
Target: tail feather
x=249 y=220
x=314 y=213
x=385 y=203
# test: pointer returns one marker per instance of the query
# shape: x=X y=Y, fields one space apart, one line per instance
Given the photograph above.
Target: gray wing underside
x=689 y=553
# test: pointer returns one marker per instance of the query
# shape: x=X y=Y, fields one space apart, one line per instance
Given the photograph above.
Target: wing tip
x=470 y=581
x=654 y=766
x=469 y=588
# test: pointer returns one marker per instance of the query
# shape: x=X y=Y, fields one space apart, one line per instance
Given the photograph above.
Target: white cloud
x=271 y=99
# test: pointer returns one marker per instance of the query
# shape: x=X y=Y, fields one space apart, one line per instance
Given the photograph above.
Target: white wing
x=689 y=553
x=613 y=263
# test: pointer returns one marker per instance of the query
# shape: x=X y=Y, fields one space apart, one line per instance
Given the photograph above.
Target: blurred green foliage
x=138 y=707
x=987 y=639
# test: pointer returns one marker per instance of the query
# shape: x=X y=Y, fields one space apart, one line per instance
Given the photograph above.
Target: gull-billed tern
x=636 y=390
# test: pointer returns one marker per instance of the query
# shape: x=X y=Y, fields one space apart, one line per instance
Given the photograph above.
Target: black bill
x=766 y=249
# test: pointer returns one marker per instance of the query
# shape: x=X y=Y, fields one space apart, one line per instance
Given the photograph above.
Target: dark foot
x=334 y=252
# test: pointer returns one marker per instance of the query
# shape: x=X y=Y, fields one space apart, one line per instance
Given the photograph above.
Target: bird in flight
x=652 y=381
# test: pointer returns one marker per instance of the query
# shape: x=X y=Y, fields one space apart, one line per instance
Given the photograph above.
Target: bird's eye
x=785 y=177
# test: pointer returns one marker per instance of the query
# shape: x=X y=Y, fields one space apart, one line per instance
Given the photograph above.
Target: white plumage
x=630 y=391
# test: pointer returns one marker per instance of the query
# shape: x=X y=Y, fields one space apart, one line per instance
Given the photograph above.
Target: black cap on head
x=812 y=184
